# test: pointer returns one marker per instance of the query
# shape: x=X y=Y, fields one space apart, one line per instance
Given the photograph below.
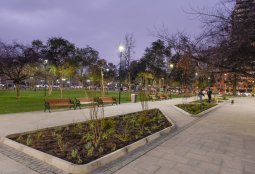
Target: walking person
x=200 y=95
x=209 y=94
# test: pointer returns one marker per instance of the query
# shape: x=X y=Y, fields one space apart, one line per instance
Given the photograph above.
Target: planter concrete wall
x=86 y=168
x=201 y=113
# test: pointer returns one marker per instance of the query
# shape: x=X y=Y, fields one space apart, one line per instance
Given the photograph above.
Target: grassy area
x=34 y=101
x=195 y=107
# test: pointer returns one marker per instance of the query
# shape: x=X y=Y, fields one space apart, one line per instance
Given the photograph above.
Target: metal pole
x=45 y=80
x=102 y=81
x=120 y=77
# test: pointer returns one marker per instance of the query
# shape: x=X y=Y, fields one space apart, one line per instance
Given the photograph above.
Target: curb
x=86 y=168
x=181 y=110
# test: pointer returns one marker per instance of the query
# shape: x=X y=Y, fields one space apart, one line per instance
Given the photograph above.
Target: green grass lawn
x=34 y=101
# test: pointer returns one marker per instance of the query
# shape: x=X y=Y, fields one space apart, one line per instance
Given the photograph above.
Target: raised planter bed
x=195 y=109
x=71 y=147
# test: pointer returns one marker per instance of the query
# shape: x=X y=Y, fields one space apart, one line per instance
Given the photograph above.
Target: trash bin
x=133 y=98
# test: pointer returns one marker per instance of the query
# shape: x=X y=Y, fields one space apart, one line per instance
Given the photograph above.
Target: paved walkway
x=22 y=122
x=220 y=143
x=223 y=142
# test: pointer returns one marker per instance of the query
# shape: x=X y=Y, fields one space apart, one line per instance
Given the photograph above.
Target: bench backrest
x=106 y=98
x=85 y=99
x=58 y=100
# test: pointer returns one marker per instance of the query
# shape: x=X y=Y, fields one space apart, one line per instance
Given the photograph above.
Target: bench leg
x=47 y=108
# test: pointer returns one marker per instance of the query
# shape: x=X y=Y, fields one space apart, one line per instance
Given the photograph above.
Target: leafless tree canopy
x=227 y=42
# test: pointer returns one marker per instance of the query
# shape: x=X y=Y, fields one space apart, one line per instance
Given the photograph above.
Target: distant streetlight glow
x=121 y=48
x=45 y=63
x=171 y=66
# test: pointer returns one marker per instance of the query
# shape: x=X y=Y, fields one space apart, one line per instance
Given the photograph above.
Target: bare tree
x=15 y=60
x=128 y=56
x=227 y=42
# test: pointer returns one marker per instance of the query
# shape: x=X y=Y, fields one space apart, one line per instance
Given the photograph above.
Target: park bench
x=63 y=102
x=107 y=100
x=84 y=101
x=153 y=97
x=162 y=96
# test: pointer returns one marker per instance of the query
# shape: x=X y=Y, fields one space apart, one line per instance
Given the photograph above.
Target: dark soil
x=81 y=143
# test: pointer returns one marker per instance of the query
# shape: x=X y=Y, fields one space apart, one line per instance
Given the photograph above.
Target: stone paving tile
x=188 y=169
x=221 y=143
x=164 y=170
x=166 y=163
x=226 y=170
x=127 y=170
x=30 y=164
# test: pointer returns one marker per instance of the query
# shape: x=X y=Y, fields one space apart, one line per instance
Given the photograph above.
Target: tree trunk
x=129 y=85
x=17 y=91
x=102 y=83
x=34 y=84
x=61 y=89
x=50 y=87
x=235 y=85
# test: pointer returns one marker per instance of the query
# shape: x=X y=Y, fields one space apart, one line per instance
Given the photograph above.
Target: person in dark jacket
x=209 y=94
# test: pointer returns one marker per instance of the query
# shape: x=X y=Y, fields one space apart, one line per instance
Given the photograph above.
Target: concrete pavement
x=22 y=122
x=221 y=143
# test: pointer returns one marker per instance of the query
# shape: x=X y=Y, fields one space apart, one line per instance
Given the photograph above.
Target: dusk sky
x=101 y=24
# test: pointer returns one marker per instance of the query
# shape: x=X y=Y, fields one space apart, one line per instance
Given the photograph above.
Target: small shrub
x=75 y=155
x=29 y=140
x=38 y=136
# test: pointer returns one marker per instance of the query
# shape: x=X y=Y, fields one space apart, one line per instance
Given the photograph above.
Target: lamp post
x=102 y=79
x=209 y=81
x=170 y=67
x=196 y=83
x=45 y=63
x=121 y=50
x=225 y=83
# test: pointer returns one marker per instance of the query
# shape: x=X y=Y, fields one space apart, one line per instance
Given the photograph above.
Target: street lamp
x=196 y=85
x=170 y=67
x=121 y=49
x=102 y=79
x=225 y=82
x=209 y=81
x=45 y=63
